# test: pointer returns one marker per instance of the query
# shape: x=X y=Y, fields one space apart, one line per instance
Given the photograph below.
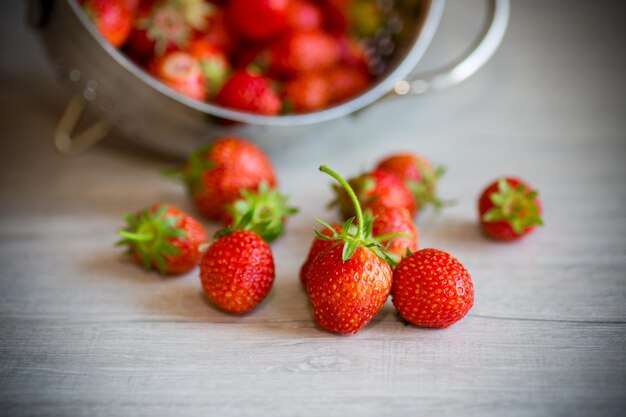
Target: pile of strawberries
x=351 y=268
x=258 y=56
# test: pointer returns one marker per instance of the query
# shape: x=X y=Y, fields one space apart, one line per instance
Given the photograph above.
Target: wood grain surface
x=84 y=332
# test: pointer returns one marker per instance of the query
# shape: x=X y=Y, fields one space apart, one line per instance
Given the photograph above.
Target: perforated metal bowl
x=123 y=94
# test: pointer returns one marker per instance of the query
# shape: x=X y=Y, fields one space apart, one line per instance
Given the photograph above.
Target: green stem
x=355 y=200
x=141 y=237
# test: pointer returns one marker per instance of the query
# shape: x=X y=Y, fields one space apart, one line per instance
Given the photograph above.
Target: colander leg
x=69 y=144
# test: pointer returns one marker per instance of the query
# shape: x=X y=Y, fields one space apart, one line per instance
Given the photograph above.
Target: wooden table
x=84 y=332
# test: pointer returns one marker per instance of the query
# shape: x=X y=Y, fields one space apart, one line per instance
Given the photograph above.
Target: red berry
x=347 y=82
x=509 y=209
x=258 y=20
x=112 y=18
x=251 y=93
x=217 y=173
x=418 y=174
x=213 y=63
x=303 y=51
x=432 y=289
x=308 y=92
x=304 y=15
x=318 y=246
x=237 y=271
x=182 y=72
x=346 y=295
x=350 y=280
x=395 y=220
x=164 y=238
x=378 y=188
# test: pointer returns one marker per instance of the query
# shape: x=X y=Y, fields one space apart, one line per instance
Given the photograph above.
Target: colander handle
x=71 y=144
x=480 y=52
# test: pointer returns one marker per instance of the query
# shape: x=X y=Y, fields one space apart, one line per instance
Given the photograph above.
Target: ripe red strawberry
x=213 y=63
x=164 y=238
x=337 y=14
x=378 y=188
x=390 y=221
x=217 y=173
x=217 y=32
x=347 y=82
x=304 y=15
x=353 y=54
x=307 y=92
x=418 y=175
x=182 y=72
x=112 y=18
x=303 y=51
x=432 y=289
x=269 y=211
x=258 y=20
x=318 y=246
x=348 y=283
x=237 y=271
x=251 y=93
x=509 y=209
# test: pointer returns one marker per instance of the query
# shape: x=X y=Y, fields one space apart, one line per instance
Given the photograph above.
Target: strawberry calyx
x=191 y=173
x=267 y=209
x=516 y=205
x=166 y=25
x=425 y=190
x=148 y=236
x=351 y=236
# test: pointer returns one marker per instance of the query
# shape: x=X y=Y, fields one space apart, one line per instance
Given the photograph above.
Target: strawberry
x=378 y=188
x=166 y=25
x=269 y=211
x=348 y=283
x=318 y=246
x=302 y=51
x=258 y=20
x=249 y=92
x=237 y=271
x=182 y=72
x=347 y=82
x=304 y=15
x=164 y=238
x=509 y=209
x=336 y=14
x=392 y=221
x=307 y=92
x=353 y=54
x=213 y=62
x=112 y=18
x=217 y=32
x=217 y=173
x=418 y=175
x=432 y=289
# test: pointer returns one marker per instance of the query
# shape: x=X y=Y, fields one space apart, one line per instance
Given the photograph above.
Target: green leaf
x=493 y=215
x=348 y=250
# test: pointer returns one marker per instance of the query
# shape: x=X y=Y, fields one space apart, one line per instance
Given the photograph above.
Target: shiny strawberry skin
x=303 y=51
x=318 y=246
x=503 y=230
x=182 y=72
x=406 y=166
x=237 y=271
x=378 y=188
x=346 y=295
x=217 y=174
x=432 y=289
x=395 y=220
x=308 y=92
x=249 y=92
x=112 y=18
x=258 y=20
